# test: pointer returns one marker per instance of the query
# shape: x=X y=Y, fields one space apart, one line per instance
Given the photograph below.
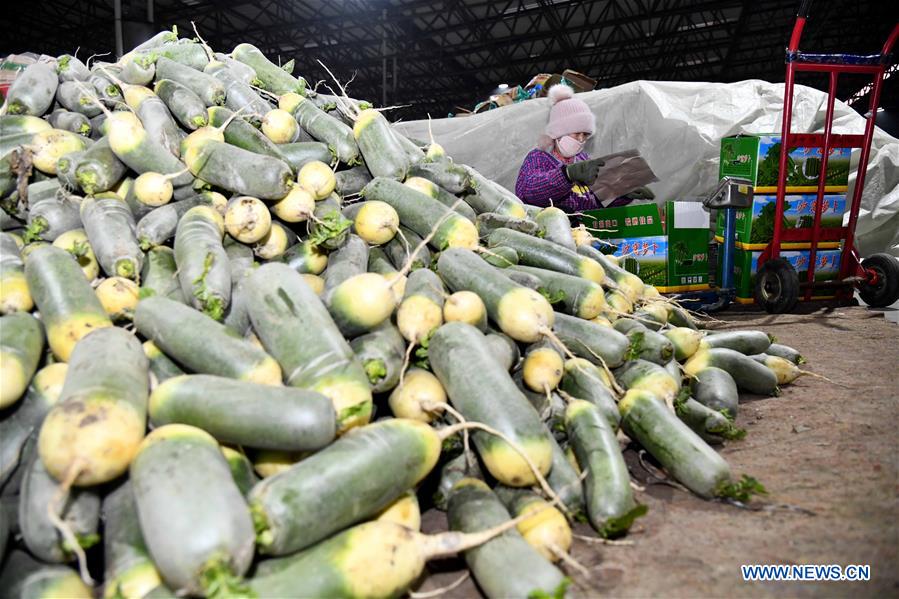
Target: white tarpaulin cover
x=677 y=128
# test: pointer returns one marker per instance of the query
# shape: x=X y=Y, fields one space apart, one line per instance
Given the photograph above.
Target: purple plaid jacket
x=542 y=182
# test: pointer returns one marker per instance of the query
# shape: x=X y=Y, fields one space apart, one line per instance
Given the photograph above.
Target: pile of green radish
x=248 y=329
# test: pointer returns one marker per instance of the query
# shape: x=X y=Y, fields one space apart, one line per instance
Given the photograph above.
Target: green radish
x=556 y=227
x=119 y=297
x=14 y=293
x=414 y=153
x=155 y=117
x=473 y=507
x=240 y=171
x=381 y=353
x=189 y=54
x=716 y=389
x=378 y=559
x=273 y=78
x=619 y=304
x=631 y=285
x=69 y=307
x=242 y=134
x=81 y=513
x=674 y=369
x=421 y=310
x=325 y=128
x=685 y=340
x=407 y=248
x=17 y=124
x=160 y=275
x=503 y=257
x=307 y=502
x=786 y=352
x=420 y=397
x=749 y=343
x=441 y=195
x=648 y=376
x=105 y=89
x=137 y=69
x=76 y=243
x=70 y=121
x=504 y=349
x=460 y=357
x=451 y=177
x=422 y=213
x=76 y=97
x=102 y=405
x=241 y=470
x=451 y=472
x=158 y=40
x=70 y=68
x=785 y=370
x=488 y=222
x=648 y=345
x=680 y=317
x=351 y=181
x=129 y=570
x=110 y=228
x=711 y=425
x=646 y=419
x=24 y=577
x=490 y=198
x=379 y=262
x=33 y=90
x=20 y=423
x=207 y=88
x=48 y=218
x=99 y=169
x=748 y=374
x=159 y=225
x=65 y=170
x=184 y=104
x=298 y=154
x=201 y=344
x=133 y=145
x=161 y=366
x=405 y=511
x=203 y=269
x=565 y=480
x=584 y=380
x=585 y=339
x=579 y=297
x=283 y=308
x=328 y=228
x=533 y=251
x=47 y=147
x=194 y=520
x=247 y=414
x=521 y=313
x=242 y=71
x=242 y=264
x=238 y=95
x=383 y=154
x=305 y=258
x=609 y=500
x=360 y=303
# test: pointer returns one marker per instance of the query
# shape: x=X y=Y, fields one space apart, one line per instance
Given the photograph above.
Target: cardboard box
x=746 y=267
x=756 y=157
x=579 y=81
x=667 y=249
x=755 y=225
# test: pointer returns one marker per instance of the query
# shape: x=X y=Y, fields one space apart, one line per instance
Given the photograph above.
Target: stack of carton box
x=666 y=246
x=756 y=158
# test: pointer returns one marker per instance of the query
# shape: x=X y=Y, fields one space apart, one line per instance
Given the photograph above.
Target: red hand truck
x=777 y=286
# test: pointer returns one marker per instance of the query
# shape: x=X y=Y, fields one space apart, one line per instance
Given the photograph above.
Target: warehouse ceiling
x=430 y=56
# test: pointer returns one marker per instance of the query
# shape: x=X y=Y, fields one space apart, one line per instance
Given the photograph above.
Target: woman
x=558 y=172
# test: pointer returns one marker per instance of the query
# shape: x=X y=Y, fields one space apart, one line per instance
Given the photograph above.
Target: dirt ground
x=828 y=455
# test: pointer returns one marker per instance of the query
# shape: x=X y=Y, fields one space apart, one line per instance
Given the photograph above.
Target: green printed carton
x=746 y=267
x=755 y=225
x=622 y=222
x=756 y=157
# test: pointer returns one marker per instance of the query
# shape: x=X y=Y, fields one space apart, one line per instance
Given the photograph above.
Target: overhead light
x=502 y=86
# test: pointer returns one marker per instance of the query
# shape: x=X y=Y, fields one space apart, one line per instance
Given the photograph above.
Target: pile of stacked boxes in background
x=665 y=245
x=756 y=158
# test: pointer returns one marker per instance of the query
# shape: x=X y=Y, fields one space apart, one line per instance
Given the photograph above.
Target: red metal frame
x=850 y=265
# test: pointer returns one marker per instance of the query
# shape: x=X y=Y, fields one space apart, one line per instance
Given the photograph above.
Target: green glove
x=584 y=171
x=641 y=193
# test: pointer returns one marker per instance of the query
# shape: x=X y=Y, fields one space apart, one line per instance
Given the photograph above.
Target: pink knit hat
x=568 y=114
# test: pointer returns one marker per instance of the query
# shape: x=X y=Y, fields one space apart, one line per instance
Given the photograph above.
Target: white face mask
x=569 y=146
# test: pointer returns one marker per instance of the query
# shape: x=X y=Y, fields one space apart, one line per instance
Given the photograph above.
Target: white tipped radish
x=602 y=320
x=465 y=306
x=376 y=222
x=47 y=147
x=274 y=243
x=279 y=126
x=419 y=397
x=119 y=297
x=155 y=189
x=318 y=178
x=397 y=283
x=404 y=511
x=270 y=462
x=289 y=101
x=217 y=201
x=296 y=207
x=247 y=219
x=435 y=151
x=361 y=303
x=315 y=282
x=581 y=236
x=76 y=243
x=542 y=369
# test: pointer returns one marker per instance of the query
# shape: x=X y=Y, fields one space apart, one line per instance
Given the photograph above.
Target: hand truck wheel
x=885 y=290
x=777 y=286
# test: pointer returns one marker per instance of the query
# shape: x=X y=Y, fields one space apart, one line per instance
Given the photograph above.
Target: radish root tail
x=55 y=508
